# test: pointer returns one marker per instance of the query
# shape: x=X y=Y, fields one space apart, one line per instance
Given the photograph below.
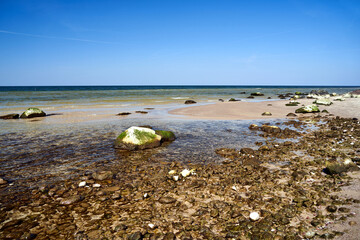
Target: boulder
x=323 y=101
x=137 y=138
x=257 y=94
x=308 y=109
x=33 y=112
x=10 y=116
x=319 y=92
x=266 y=114
x=166 y=136
x=338 y=167
x=190 y=102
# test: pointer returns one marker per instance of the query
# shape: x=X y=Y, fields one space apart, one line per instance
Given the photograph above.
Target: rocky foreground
x=280 y=191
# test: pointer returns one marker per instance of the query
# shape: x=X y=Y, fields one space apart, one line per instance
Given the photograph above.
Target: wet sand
x=253 y=110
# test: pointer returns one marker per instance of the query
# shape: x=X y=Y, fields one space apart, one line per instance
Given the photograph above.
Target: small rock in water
x=254 y=216
x=2 y=181
x=190 y=102
x=135 y=236
x=82 y=184
x=33 y=112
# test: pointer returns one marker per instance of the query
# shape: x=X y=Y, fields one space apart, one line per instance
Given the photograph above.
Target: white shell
x=254 y=216
x=96 y=185
x=82 y=184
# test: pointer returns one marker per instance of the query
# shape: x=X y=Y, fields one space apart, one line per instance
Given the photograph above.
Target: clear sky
x=201 y=42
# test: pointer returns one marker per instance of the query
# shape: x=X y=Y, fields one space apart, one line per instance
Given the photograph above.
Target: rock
x=169 y=236
x=298 y=93
x=142 y=112
x=352 y=223
x=102 y=175
x=331 y=208
x=136 y=138
x=185 y=172
x=71 y=200
x=291 y=115
x=123 y=113
x=33 y=112
x=190 y=102
x=166 y=136
x=111 y=189
x=250 y=97
x=292 y=103
x=339 y=99
x=325 y=111
x=2 y=181
x=248 y=151
x=355 y=92
x=308 y=109
x=338 y=167
x=254 y=216
x=221 y=100
x=323 y=101
x=135 y=236
x=270 y=129
x=257 y=94
x=10 y=116
x=167 y=200
x=319 y=92
x=242 y=92
x=233 y=100
x=266 y=114
x=253 y=127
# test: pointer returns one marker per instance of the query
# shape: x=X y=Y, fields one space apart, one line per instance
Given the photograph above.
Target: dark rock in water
x=123 y=113
x=135 y=236
x=146 y=126
x=233 y=100
x=250 y=97
x=325 y=111
x=136 y=138
x=221 y=100
x=355 y=92
x=190 y=102
x=71 y=200
x=291 y=115
x=142 y=112
x=281 y=96
x=33 y=112
x=10 y=116
x=269 y=98
x=103 y=175
x=319 y=92
x=167 y=200
x=166 y=135
x=270 y=129
x=242 y=93
x=257 y=94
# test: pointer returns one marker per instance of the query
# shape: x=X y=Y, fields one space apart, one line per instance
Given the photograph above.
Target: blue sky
x=224 y=42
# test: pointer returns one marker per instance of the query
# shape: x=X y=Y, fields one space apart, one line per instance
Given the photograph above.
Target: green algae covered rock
x=137 y=138
x=33 y=112
x=338 y=167
x=166 y=136
x=308 y=109
x=323 y=101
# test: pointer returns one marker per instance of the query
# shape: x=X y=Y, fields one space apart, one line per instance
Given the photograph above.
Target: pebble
x=82 y=184
x=167 y=200
x=96 y=185
x=352 y=223
x=254 y=216
x=185 y=172
x=176 y=178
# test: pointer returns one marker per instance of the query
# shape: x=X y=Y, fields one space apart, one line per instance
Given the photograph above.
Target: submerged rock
x=33 y=112
x=257 y=94
x=308 y=109
x=136 y=138
x=319 y=92
x=10 y=116
x=190 y=102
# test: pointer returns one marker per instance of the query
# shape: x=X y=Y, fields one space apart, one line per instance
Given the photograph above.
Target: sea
x=42 y=151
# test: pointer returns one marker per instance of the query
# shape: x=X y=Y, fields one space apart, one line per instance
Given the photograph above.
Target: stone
x=82 y=184
x=135 y=236
x=142 y=112
x=257 y=94
x=185 y=172
x=291 y=115
x=266 y=114
x=270 y=129
x=33 y=112
x=169 y=236
x=123 y=113
x=167 y=200
x=323 y=101
x=319 y=92
x=233 y=100
x=338 y=167
x=339 y=99
x=166 y=136
x=2 y=181
x=190 y=102
x=102 y=175
x=10 y=116
x=254 y=216
x=308 y=109
x=292 y=103
x=71 y=200
x=137 y=138
x=247 y=151
x=253 y=127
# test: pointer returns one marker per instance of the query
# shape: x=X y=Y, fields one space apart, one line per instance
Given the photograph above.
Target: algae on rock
x=33 y=112
x=308 y=109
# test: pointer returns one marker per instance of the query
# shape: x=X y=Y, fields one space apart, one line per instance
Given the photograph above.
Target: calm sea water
x=17 y=99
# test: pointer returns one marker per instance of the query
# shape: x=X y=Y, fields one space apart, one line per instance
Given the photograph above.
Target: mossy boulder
x=33 y=112
x=266 y=114
x=137 y=138
x=298 y=93
x=338 y=167
x=323 y=101
x=166 y=136
x=308 y=109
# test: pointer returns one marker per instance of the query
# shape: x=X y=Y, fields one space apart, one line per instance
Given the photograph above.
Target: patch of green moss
x=144 y=136
x=166 y=135
x=122 y=135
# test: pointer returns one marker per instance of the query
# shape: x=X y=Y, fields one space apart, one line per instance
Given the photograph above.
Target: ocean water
x=15 y=99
